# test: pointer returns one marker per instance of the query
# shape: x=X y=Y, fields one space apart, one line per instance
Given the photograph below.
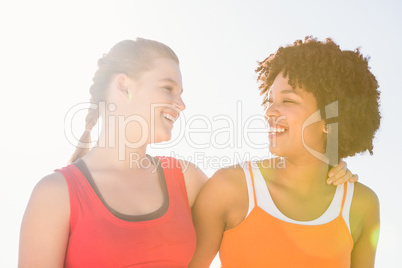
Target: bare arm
x=217 y=208
x=208 y=223
x=45 y=225
x=363 y=254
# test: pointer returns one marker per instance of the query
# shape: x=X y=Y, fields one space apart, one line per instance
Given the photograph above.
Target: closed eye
x=168 y=88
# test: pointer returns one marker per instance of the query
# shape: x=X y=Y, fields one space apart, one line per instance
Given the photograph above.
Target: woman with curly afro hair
x=321 y=105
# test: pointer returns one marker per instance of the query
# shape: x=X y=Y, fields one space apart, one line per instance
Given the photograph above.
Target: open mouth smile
x=169 y=117
x=276 y=130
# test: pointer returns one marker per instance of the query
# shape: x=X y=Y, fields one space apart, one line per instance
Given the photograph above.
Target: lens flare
x=375 y=234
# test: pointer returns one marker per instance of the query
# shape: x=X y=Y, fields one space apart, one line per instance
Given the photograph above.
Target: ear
x=122 y=85
x=326 y=128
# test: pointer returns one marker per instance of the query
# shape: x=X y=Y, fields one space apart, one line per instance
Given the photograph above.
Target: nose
x=179 y=104
x=271 y=112
x=273 y=115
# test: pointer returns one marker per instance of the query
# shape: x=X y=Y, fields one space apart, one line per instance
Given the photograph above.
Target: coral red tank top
x=101 y=238
x=262 y=240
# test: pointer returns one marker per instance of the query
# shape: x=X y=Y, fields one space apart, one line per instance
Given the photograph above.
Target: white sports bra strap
x=249 y=187
x=265 y=202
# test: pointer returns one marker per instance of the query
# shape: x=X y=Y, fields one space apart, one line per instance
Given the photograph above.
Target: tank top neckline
x=340 y=192
x=160 y=212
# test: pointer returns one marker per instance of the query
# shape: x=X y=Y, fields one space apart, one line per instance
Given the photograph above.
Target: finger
x=344 y=178
x=354 y=178
x=339 y=173
x=340 y=178
x=341 y=166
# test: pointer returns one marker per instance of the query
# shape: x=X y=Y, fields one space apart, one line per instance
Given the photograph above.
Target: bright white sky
x=49 y=51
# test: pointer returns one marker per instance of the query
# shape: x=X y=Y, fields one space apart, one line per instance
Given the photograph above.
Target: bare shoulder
x=194 y=178
x=226 y=192
x=191 y=169
x=53 y=185
x=364 y=211
x=49 y=199
x=232 y=176
x=50 y=194
x=45 y=225
x=225 y=182
x=364 y=197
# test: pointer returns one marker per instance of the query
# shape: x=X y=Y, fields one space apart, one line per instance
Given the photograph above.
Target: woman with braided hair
x=109 y=208
x=321 y=104
x=106 y=210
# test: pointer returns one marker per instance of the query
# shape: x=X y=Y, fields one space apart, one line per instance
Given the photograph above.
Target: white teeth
x=276 y=129
x=168 y=116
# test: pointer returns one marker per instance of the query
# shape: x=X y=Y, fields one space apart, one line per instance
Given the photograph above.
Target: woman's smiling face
x=160 y=95
x=148 y=107
x=286 y=112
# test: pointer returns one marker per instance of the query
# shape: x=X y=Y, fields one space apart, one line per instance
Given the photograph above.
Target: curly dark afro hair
x=331 y=75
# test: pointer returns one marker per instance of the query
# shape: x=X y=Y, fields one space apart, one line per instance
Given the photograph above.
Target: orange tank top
x=262 y=240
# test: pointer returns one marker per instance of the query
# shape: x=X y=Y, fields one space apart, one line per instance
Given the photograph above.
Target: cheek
x=301 y=125
x=146 y=105
x=314 y=136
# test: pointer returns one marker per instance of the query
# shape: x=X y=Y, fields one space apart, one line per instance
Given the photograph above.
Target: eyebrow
x=286 y=91
x=171 y=81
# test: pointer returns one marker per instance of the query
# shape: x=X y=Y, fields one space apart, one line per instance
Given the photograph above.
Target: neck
x=117 y=152
x=305 y=175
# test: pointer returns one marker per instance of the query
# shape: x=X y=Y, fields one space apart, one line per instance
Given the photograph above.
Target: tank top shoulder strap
x=345 y=190
x=252 y=181
x=252 y=200
x=77 y=184
x=174 y=177
x=347 y=202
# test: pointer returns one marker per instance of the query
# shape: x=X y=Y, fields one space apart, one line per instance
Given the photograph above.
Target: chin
x=274 y=150
x=277 y=152
x=162 y=138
